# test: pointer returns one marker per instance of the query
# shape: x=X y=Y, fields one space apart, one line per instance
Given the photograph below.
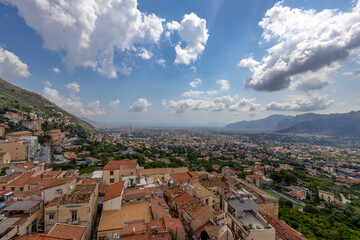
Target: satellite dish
x=71 y=187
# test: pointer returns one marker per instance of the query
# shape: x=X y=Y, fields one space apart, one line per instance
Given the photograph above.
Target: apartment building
x=244 y=220
x=115 y=171
x=79 y=207
x=17 y=149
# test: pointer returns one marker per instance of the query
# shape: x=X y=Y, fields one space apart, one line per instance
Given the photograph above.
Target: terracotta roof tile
x=114 y=190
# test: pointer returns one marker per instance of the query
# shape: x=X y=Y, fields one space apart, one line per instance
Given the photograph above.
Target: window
x=111 y=180
x=111 y=173
x=51 y=216
x=207 y=201
x=73 y=216
x=21 y=189
x=12 y=189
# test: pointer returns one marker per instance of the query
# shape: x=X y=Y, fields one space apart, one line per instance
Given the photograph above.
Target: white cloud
x=89 y=31
x=139 y=105
x=161 y=62
x=74 y=87
x=56 y=70
x=212 y=92
x=73 y=104
x=355 y=72
x=308 y=103
x=307 y=41
x=145 y=54
x=173 y=26
x=47 y=83
x=224 y=84
x=163 y=102
x=193 y=94
x=114 y=103
x=227 y=103
x=193 y=32
x=11 y=67
x=195 y=83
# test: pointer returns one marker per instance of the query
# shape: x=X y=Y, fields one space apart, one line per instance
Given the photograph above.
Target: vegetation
x=334 y=221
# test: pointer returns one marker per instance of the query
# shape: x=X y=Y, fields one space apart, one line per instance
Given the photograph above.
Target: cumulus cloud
x=302 y=104
x=355 y=72
x=74 y=87
x=56 y=70
x=193 y=94
x=224 y=103
x=224 y=84
x=193 y=32
x=195 y=83
x=145 y=54
x=161 y=62
x=139 y=105
x=11 y=67
x=114 y=103
x=73 y=104
x=307 y=41
x=88 y=32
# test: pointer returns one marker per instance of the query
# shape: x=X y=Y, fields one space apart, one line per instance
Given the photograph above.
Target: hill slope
x=265 y=124
x=17 y=99
x=337 y=125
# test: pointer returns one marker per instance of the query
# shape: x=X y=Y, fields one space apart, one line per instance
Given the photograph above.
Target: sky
x=189 y=62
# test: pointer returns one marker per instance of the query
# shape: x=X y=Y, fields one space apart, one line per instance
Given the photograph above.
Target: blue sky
x=184 y=62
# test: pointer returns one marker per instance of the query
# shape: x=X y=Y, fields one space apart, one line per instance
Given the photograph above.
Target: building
x=34 y=125
x=255 y=179
x=286 y=167
x=56 y=135
x=195 y=214
x=13 y=117
x=228 y=172
x=244 y=220
x=216 y=232
x=113 y=196
x=18 y=150
x=184 y=178
x=18 y=135
x=206 y=196
x=5 y=159
x=263 y=199
x=28 y=213
x=283 y=231
x=298 y=195
x=59 y=232
x=2 y=130
x=79 y=207
x=116 y=171
x=327 y=196
x=27 y=167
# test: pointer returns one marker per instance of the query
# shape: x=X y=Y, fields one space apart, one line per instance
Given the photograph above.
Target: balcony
x=73 y=221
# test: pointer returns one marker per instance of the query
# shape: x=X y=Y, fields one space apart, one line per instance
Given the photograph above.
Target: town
x=170 y=183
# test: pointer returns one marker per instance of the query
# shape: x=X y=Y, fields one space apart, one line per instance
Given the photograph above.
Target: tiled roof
x=68 y=231
x=80 y=194
x=284 y=230
x=195 y=208
x=115 y=165
x=255 y=176
x=183 y=199
x=114 y=190
x=28 y=165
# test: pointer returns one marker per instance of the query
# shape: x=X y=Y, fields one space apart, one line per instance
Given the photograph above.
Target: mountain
x=336 y=125
x=265 y=124
x=345 y=124
x=13 y=98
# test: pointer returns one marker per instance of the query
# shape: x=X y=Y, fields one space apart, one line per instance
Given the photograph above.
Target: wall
x=112 y=204
x=17 y=150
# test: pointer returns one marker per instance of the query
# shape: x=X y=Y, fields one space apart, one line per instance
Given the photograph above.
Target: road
x=344 y=200
x=44 y=154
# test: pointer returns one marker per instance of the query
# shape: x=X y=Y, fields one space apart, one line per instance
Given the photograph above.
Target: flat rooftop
x=250 y=218
x=115 y=219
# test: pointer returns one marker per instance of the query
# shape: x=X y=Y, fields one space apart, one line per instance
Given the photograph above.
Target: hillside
x=265 y=124
x=336 y=125
x=346 y=124
x=13 y=98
